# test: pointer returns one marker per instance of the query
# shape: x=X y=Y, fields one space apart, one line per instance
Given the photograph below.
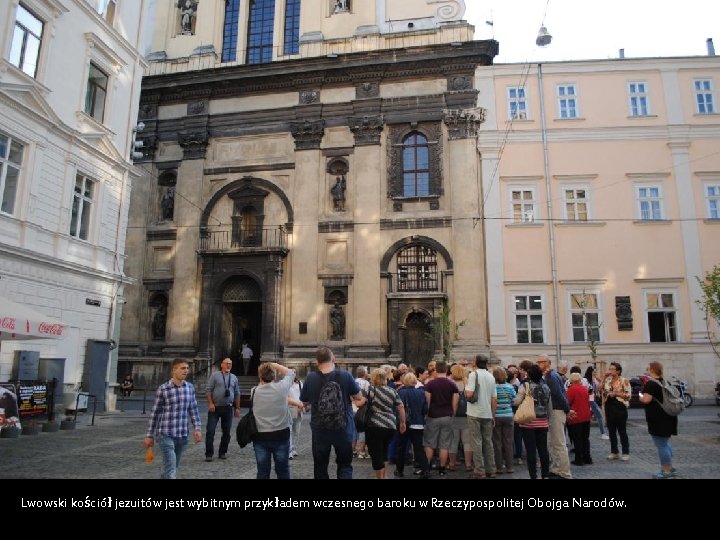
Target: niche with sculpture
x=337 y=299
x=166 y=184
x=338 y=170
x=188 y=13
x=158 y=316
x=339 y=6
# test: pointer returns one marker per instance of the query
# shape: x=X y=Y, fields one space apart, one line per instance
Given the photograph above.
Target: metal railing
x=242 y=239
x=431 y=281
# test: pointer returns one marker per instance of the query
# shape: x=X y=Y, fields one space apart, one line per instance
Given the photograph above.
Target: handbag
x=363 y=414
x=247 y=427
x=526 y=411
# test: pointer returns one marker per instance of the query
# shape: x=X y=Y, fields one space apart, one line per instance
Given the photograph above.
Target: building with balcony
x=311 y=177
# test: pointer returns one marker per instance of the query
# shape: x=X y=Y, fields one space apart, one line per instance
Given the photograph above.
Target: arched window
x=260 y=31
x=415 y=165
x=417 y=269
x=230 y=30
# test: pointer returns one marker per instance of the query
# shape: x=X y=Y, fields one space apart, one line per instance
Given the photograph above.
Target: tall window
x=292 y=27
x=260 y=31
x=704 y=96
x=712 y=191
x=25 y=49
x=106 y=8
x=661 y=316
x=517 y=103
x=96 y=92
x=523 y=205
x=417 y=269
x=230 y=30
x=567 y=101
x=416 y=166
x=638 y=99
x=585 y=317
x=82 y=207
x=576 y=204
x=649 y=201
x=529 y=319
x=11 y=155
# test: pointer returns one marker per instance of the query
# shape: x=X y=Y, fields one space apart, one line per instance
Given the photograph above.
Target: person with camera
x=223 y=395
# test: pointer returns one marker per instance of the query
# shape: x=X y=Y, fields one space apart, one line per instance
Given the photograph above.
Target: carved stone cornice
x=194 y=144
x=463 y=123
x=307 y=134
x=309 y=97
x=367 y=89
x=366 y=129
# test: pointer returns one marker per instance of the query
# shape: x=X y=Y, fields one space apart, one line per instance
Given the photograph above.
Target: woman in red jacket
x=579 y=424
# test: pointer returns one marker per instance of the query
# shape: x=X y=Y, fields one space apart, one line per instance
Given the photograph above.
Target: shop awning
x=18 y=321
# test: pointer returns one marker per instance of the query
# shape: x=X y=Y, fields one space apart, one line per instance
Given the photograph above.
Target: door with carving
x=419 y=341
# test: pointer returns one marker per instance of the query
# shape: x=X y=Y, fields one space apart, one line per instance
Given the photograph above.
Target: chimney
x=710 y=47
x=621 y=53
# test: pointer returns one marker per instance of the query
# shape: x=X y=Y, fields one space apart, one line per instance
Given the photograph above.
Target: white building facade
x=70 y=74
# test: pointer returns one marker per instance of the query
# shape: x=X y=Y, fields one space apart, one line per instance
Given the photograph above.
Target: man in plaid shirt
x=174 y=402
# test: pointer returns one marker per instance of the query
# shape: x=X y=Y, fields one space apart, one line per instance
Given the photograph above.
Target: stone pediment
x=29 y=98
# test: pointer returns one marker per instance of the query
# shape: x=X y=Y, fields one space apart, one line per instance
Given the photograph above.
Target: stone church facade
x=311 y=177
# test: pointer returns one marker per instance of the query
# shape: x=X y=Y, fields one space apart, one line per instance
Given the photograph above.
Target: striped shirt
x=173 y=405
x=384 y=401
x=505 y=395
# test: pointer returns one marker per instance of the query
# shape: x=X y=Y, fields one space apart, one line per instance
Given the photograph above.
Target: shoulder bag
x=247 y=428
x=526 y=411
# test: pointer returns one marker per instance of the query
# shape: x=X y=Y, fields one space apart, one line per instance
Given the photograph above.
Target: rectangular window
x=638 y=99
x=712 y=191
x=529 y=319
x=230 y=30
x=704 y=96
x=661 y=316
x=576 y=204
x=260 y=31
x=292 y=27
x=25 y=49
x=11 y=156
x=96 y=92
x=517 y=103
x=650 y=203
x=82 y=207
x=585 y=317
x=523 y=205
x=567 y=101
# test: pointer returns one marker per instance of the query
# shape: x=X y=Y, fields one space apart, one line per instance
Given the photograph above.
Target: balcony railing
x=242 y=239
x=432 y=281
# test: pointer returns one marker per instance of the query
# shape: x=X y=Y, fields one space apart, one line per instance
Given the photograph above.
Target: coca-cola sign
x=7 y=323
x=52 y=329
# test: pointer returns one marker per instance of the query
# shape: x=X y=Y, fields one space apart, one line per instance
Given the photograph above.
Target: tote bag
x=246 y=428
x=526 y=411
x=362 y=415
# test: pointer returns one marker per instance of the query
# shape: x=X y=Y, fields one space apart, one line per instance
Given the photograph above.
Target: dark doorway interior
x=419 y=342
x=242 y=322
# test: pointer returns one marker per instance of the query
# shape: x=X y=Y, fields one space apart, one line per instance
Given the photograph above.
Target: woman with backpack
x=661 y=425
x=535 y=432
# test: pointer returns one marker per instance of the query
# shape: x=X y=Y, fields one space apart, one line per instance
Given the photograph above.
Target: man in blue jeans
x=223 y=391
x=325 y=439
x=175 y=404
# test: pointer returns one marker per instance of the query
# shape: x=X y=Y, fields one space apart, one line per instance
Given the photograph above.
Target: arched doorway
x=419 y=339
x=242 y=321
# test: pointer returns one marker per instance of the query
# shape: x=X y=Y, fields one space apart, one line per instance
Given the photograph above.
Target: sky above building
x=584 y=30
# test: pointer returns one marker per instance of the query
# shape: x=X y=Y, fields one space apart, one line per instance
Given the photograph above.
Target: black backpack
x=462 y=405
x=330 y=412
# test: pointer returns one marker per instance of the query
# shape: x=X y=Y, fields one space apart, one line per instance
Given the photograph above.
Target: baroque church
x=311 y=177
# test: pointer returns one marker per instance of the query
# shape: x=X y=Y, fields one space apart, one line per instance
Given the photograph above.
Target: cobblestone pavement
x=112 y=448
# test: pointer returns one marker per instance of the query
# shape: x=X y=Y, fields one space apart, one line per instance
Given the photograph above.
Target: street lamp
x=543 y=40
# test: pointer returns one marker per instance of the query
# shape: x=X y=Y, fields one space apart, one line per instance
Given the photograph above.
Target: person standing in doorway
x=246 y=354
x=175 y=404
x=223 y=396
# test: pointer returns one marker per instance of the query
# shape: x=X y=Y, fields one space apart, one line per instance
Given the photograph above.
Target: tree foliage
x=710 y=303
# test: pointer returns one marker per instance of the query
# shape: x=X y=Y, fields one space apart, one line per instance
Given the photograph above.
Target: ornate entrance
x=242 y=320
x=419 y=339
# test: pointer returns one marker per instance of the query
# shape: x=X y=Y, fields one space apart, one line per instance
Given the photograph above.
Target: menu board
x=32 y=398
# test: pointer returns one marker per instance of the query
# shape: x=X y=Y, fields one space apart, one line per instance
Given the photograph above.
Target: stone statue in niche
x=159 y=322
x=338 y=193
x=341 y=5
x=187 y=8
x=167 y=203
x=337 y=320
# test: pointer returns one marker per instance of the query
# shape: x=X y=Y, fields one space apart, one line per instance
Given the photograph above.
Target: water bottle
x=149 y=454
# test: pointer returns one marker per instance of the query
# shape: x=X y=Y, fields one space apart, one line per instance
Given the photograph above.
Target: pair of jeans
x=597 y=413
x=279 y=451
x=323 y=441
x=171 y=449
x=664 y=450
x=535 y=441
x=225 y=415
x=616 y=414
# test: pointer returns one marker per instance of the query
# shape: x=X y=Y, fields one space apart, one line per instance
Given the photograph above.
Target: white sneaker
x=605 y=437
x=625 y=457
x=612 y=456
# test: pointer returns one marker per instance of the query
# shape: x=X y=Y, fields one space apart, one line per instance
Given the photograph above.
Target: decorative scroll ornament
x=463 y=123
x=453 y=10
